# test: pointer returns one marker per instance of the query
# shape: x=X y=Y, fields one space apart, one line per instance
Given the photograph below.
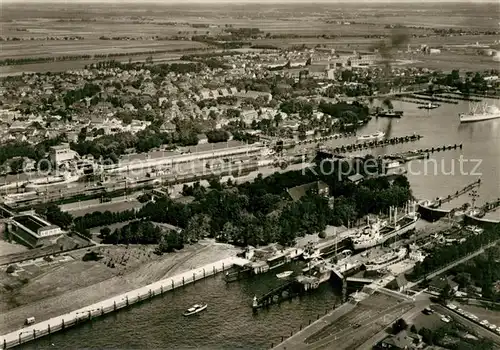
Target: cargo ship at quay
x=380 y=231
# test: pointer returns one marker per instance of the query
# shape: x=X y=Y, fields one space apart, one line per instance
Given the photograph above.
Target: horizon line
x=242 y=2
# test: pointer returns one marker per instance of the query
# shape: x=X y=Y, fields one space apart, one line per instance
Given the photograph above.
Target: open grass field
x=350 y=23
x=51 y=290
x=19 y=49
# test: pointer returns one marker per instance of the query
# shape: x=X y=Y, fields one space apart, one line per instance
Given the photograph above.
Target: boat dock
x=330 y=152
x=113 y=304
x=432 y=211
x=477 y=216
x=250 y=265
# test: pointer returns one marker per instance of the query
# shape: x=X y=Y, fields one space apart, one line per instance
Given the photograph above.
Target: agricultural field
x=19 y=49
x=350 y=25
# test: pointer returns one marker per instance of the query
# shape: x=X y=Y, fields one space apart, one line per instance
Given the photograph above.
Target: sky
x=239 y=1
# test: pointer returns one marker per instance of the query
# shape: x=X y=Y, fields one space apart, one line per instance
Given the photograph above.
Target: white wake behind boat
x=195 y=309
x=284 y=274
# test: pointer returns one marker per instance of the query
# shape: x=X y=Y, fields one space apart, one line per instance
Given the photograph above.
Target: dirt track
x=76 y=284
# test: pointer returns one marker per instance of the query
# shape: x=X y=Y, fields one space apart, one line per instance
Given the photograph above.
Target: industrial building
x=32 y=230
x=168 y=160
x=61 y=154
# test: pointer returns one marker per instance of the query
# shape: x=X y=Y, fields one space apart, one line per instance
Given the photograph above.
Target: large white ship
x=480 y=113
x=380 y=231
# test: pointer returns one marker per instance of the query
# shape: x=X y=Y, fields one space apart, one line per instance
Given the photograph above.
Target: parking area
x=432 y=321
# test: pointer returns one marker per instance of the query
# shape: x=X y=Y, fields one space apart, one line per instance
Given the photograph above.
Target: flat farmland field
x=314 y=26
x=368 y=43
x=39 y=28
x=19 y=49
x=61 y=66
x=448 y=61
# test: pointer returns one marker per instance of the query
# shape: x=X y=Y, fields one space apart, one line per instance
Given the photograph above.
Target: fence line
x=124 y=300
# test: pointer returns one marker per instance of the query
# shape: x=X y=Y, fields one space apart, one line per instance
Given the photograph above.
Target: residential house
x=248 y=116
x=202 y=139
x=291 y=124
x=318 y=71
x=401 y=341
x=356 y=178
x=438 y=283
x=130 y=107
x=162 y=100
x=168 y=127
x=318 y=187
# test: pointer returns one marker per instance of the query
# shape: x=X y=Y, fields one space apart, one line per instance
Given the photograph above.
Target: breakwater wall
x=55 y=324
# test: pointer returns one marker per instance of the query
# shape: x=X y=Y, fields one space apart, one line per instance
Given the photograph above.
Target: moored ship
x=387 y=259
x=390 y=114
x=476 y=115
x=380 y=231
x=429 y=106
x=430 y=210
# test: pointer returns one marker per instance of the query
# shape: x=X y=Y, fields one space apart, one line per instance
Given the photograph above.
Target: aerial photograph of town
x=257 y=174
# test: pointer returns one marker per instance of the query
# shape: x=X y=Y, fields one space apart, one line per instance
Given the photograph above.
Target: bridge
x=283 y=292
x=6 y=212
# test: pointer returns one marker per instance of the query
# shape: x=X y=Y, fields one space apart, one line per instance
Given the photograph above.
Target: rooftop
x=300 y=191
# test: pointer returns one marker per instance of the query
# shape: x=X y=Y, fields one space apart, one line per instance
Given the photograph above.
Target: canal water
x=228 y=322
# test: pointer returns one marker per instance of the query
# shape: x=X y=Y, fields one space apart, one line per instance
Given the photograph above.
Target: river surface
x=228 y=322
x=443 y=174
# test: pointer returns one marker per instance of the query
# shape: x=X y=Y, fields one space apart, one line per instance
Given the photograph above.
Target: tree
x=16 y=165
x=413 y=329
x=427 y=335
x=105 y=232
x=446 y=294
x=399 y=326
x=215 y=136
x=198 y=226
x=58 y=217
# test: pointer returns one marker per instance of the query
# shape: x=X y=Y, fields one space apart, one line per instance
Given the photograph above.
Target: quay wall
x=37 y=330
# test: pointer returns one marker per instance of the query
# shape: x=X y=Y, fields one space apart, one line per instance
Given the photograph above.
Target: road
x=480 y=330
x=452 y=265
x=408 y=316
x=423 y=302
x=350 y=325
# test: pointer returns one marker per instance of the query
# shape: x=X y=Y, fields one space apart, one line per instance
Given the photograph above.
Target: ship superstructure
x=479 y=113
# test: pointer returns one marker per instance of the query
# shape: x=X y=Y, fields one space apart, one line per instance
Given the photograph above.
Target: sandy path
x=55 y=295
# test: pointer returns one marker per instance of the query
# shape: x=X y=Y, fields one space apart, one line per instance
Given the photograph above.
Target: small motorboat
x=195 y=309
x=284 y=274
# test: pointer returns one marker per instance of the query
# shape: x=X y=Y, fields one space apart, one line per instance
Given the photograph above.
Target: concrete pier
x=115 y=303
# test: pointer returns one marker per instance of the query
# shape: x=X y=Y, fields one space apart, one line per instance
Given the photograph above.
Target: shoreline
x=57 y=292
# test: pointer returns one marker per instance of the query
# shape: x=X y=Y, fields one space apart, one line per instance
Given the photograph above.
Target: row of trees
x=36 y=152
x=113 y=146
x=443 y=255
x=259 y=213
x=483 y=271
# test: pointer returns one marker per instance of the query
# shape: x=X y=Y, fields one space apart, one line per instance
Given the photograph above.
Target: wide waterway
x=229 y=323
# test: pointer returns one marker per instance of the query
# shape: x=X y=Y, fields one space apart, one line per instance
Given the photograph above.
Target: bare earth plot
x=53 y=291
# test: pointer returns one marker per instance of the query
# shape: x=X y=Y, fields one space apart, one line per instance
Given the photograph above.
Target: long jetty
x=374 y=144
x=461 y=192
x=293 y=143
x=113 y=304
